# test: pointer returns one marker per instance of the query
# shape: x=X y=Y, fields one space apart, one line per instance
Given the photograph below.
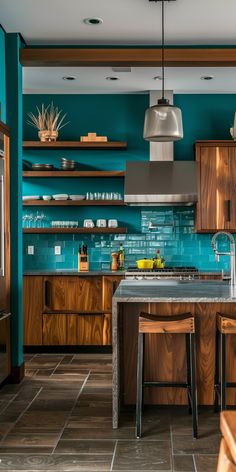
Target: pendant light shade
x=163 y=122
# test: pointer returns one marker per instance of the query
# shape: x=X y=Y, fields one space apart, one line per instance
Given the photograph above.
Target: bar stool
x=179 y=324
x=225 y=324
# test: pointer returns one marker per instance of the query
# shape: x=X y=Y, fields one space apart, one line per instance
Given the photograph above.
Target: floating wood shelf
x=73 y=173
x=75 y=145
x=74 y=203
x=74 y=230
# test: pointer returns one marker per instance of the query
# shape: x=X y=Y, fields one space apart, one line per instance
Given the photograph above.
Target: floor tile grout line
x=20 y=416
x=194 y=463
x=70 y=411
x=113 y=457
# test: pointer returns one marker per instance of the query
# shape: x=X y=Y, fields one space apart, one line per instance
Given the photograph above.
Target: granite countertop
x=73 y=272
x=174 y=291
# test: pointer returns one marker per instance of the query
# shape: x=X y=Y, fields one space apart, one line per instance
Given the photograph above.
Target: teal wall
x=204 y=117
x=121 y=118
x=14 y=121
x=2 y=75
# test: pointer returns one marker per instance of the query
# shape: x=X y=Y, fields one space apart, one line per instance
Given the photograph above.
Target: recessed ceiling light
x=69 y=77
x=93 y=21
x=207 y=77
x=112 y=78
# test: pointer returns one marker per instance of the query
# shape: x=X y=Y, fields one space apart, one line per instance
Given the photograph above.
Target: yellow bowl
x=145 y=264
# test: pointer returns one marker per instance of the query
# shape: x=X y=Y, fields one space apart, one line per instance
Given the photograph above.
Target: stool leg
x=189 y=392
x=193 y=383
x=222 y=371
x=143 y=372
x=216 y=386
x=139 y=400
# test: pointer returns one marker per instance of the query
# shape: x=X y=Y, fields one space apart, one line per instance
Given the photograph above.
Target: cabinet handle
x=47 y=294
x=228 y=210
x=114 y=286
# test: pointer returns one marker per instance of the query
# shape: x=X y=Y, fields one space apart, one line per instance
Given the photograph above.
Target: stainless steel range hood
x=161 y=183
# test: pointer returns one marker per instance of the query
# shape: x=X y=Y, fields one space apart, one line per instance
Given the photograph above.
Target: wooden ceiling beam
x=135 y=57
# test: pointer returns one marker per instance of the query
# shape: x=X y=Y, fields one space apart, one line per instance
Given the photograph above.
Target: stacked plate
x=61 y=196
x=77 y=197
x=67 y=164
x=42 y=167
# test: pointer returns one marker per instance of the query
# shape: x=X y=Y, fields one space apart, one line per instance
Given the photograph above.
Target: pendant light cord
x=163 y=49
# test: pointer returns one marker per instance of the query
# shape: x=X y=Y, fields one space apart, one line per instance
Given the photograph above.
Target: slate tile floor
x=59 y=419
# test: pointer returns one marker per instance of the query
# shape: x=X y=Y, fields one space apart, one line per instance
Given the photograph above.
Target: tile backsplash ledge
x=172 y=231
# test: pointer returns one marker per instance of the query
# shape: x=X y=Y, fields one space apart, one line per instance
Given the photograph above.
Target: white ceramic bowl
x=47 y=197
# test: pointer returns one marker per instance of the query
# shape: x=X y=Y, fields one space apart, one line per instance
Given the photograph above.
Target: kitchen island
x=165 y=354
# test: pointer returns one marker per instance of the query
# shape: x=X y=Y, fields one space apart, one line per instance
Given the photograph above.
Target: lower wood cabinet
x=68 y=310
x=72 y=330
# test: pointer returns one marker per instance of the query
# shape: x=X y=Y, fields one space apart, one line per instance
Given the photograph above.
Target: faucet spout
x=231 y=253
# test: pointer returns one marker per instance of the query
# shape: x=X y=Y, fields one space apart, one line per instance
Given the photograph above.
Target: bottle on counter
x=115 y=262
x=121 y=258
x=160 y=261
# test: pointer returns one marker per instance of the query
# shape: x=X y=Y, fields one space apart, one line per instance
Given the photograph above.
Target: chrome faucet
x=231 y=254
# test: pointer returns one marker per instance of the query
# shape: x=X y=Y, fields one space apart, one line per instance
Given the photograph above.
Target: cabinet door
x=32 y=308
x=73 y=294
x=54 y=329
x=88 y=329
x=231 y=224
x=4 y=218
x=214 y=188
x=110 y=285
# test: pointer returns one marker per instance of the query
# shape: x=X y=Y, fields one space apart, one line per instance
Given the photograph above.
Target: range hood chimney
x=161 y=181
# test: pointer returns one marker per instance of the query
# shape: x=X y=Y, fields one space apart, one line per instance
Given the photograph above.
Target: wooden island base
x=165 y=354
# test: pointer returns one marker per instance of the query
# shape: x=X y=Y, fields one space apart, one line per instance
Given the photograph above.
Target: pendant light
x=163 y=122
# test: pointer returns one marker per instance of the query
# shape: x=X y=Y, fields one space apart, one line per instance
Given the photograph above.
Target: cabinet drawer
x=89 y=329
x=54 y=330
x=73 y=294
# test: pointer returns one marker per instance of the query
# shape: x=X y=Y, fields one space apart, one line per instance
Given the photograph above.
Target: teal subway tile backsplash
x=178 y=243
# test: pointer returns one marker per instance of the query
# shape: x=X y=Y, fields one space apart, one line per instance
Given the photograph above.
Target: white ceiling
x=124 y=21
x=139 y=80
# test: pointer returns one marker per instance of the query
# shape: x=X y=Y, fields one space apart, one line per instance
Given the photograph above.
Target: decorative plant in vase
x=48 y=121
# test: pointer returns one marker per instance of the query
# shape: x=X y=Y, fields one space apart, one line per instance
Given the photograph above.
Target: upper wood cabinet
x=216 y=207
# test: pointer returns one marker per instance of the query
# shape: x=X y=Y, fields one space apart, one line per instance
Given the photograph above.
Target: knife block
x=83 y=262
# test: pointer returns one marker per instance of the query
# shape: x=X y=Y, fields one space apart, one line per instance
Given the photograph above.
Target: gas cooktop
x=166 y=269
x=180 y=272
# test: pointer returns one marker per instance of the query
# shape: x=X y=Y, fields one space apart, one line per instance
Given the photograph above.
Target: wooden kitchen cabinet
x=73 y=294
x=89 y=329
x=33 y=309
x=216 y=207
x=54 y=330
x=68 y=310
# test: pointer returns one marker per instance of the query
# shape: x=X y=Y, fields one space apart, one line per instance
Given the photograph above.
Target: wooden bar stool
x=225 y=324
x=179 y=324
x=227 y=456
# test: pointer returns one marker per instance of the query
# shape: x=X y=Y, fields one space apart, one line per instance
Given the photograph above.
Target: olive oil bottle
x=121 y=258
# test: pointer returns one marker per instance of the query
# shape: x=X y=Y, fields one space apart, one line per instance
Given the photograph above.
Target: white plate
x=31 y=197
x=61 y=195
x=77 y=197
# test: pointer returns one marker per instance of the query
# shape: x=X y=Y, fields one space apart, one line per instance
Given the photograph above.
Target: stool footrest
x=165 y=384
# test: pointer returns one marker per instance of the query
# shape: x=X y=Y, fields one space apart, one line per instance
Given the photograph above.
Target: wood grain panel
x=232 y=188
x=90 y=329
x=109 y=284
x=32 y=309
x=107 y=330
x=73 y=294
x=228 y=429
x=134 y=57
x=165 y=353
x=54 y=329
x=5 y=281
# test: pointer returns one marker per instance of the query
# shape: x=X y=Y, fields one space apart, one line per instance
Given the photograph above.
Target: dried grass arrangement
x=48 y=121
